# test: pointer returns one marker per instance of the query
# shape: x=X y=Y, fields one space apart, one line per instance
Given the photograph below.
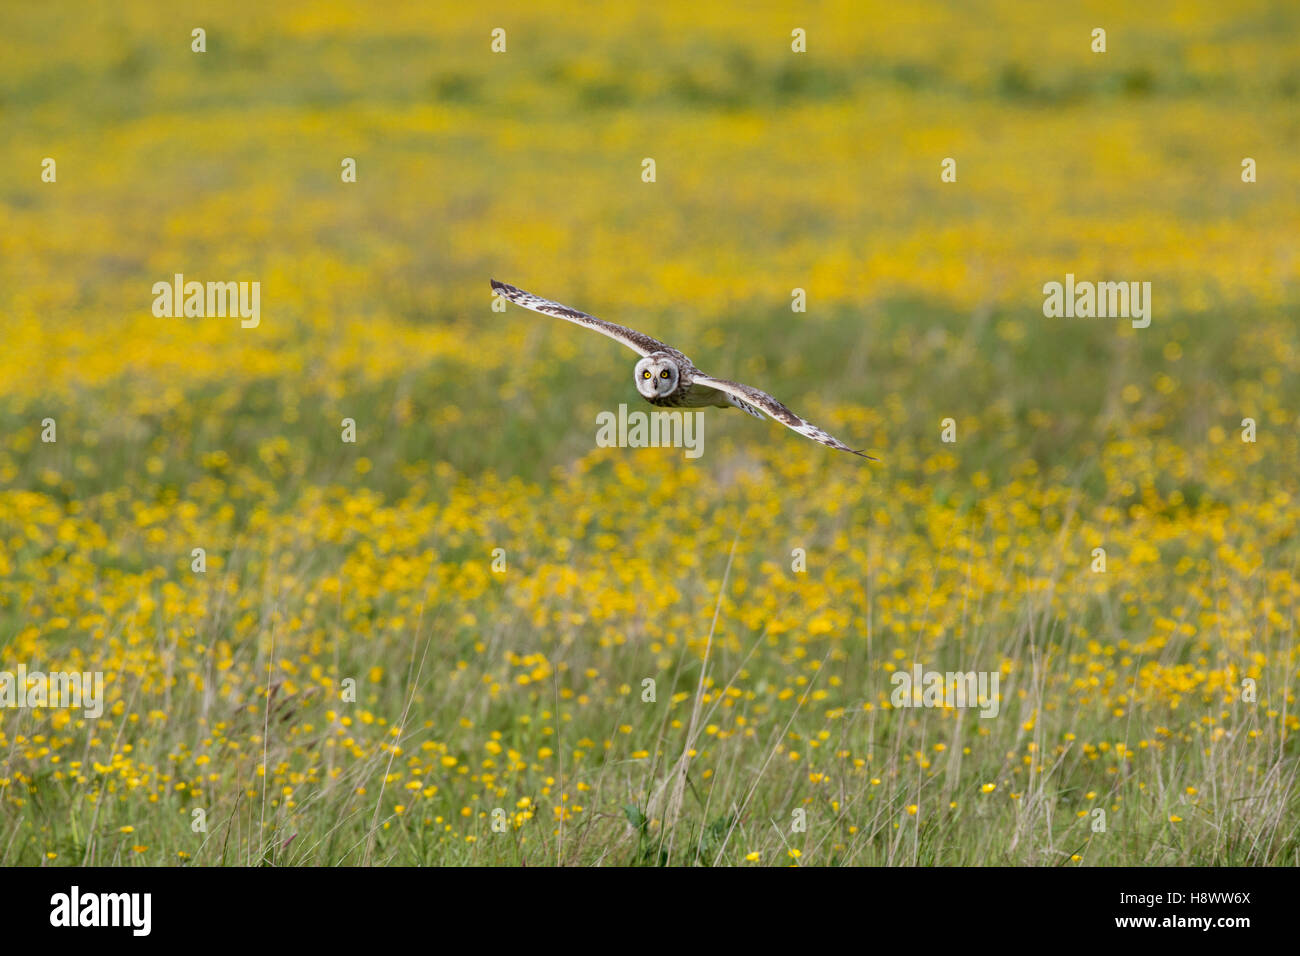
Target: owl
x=666 y=377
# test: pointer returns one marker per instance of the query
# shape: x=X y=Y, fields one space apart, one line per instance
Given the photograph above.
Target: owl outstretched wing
x=766 y=403
x=638 y=342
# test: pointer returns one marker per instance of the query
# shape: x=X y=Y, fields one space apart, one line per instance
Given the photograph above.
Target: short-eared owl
x=664 y=376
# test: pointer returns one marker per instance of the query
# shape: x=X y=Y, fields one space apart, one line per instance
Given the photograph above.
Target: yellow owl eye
x=645 y=374
x=664 y=373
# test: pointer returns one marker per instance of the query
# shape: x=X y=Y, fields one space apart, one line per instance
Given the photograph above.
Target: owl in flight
x=666 y=377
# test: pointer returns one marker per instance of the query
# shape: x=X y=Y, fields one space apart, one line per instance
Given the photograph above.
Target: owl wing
x=638 y=342
x=766 y=403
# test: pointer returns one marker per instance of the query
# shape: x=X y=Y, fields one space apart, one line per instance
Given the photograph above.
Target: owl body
x=690 y=396
x=667 y=379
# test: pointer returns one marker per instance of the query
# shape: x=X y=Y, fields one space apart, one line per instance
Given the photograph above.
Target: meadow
x=431 y=645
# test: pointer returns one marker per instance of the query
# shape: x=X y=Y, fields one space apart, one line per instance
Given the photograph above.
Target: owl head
x=656 y=375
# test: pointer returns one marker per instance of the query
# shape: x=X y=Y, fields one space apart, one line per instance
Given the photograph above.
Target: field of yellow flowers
x=474 y=637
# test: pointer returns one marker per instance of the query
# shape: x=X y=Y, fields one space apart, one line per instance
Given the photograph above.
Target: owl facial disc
x=656 y=376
